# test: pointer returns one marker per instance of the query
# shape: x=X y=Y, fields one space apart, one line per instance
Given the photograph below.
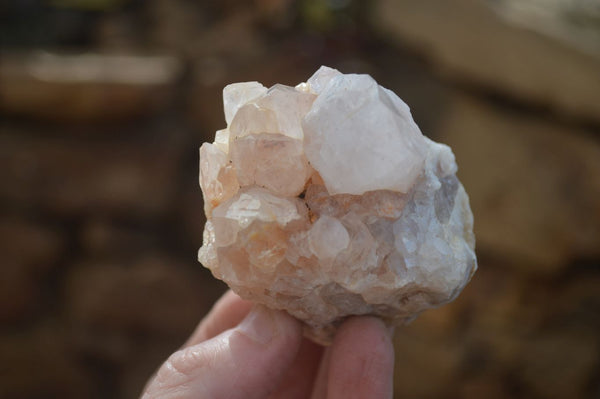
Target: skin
x=243 y=351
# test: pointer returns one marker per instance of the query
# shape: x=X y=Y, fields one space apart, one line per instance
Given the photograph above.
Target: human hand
x=241 y=351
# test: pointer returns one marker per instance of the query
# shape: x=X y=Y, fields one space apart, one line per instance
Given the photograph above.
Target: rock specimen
x=326 y=200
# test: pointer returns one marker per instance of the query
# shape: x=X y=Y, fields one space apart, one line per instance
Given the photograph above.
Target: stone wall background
x=101 y=213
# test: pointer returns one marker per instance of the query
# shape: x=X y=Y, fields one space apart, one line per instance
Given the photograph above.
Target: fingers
x=248 y=361
x=227 y=312
x=298 y=380
x=320 y=385
x=361 y=363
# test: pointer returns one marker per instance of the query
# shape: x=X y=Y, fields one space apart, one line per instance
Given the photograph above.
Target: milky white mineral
x=326 y=200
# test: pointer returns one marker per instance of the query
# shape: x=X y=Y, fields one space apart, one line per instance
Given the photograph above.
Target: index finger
x=226 y=313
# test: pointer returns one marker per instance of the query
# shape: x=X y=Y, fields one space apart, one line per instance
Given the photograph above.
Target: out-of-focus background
x=104 y=103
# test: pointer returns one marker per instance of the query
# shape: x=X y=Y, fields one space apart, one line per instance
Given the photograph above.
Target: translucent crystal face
x=327 y=201
x=351 y=138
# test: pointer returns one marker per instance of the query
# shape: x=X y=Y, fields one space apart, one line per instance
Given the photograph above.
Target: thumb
x=248 y=361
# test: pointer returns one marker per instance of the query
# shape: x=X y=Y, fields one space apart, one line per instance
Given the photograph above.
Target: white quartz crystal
x=351 y=137
x=327 y=201
x=237 y=94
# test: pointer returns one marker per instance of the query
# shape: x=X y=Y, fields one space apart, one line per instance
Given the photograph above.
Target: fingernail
x=260 y=325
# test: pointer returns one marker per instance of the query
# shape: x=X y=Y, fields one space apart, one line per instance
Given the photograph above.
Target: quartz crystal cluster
x=326 y=200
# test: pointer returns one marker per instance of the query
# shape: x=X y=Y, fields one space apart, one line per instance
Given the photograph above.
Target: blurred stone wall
x=103 y=105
